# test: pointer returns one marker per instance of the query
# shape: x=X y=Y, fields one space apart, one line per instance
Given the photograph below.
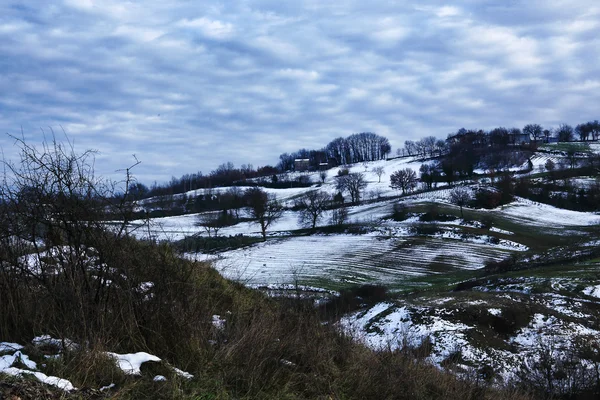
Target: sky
x=188 y=85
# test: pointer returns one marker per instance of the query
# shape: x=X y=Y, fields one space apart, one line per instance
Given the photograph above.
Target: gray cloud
x=186 y=86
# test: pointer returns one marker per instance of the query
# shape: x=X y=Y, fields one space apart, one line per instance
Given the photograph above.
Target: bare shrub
x=461 y=196
x=353 y=183
x=313 y=205
x=213 y=222
x=404 y=179
x=339 y=216
x=264 y=208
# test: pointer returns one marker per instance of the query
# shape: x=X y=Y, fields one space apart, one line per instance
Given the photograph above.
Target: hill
x=475 y=298
x=494 y=290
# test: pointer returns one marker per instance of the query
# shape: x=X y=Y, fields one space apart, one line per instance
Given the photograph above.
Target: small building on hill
x=301 y=164
x=519 y=138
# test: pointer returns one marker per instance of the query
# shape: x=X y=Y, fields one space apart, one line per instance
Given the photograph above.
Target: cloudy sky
x=187 y=85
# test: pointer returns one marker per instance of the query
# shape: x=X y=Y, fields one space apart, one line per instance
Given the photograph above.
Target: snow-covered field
x=350 y=259
x=386 y=254
x=543 y=215
x=521 y=210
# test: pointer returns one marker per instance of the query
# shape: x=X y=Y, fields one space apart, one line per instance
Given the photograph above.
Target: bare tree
x=461 y=196
x=54 y=207
x=213 y=221
x=440 y=146
x=428 y=144
x=572 y=156
x=379 y=171
x=583 y=131
x=339 y=216
x=429 y=174
x=533 y=130
x=233 y=199
x=411 y=147
x=353 y=183
x=313 y=205
x=264 y=208
x=594 y=127
x=323 y=176
x=405 y=179
x=565 y=133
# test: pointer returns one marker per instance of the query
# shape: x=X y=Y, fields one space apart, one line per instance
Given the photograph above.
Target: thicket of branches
x=64 y=269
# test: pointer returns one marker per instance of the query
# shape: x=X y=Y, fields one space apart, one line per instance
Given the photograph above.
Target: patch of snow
x=387 y=326
x=107 y=387
x=145 y=286
x=482 y=239
x=131 y=363
x=159 y=378
x=218 y=322
x=593 y=291
x=495 y=311
x=475 y=302
x=183 y=374
x=498 y=230
x=49 y=380
x=24 y=358
x=47 y=340
x=563 y=307
x=7 y=346
x=7 y=361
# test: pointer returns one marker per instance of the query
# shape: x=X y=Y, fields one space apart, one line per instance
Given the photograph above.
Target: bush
x=339 y=216
x=507 y=264
x=353 y=298
x=486 y=199
x=487 y=221
x=343 y=172
x=425 y=229
x=400 y=212
x=201 y=244
x=433 y=214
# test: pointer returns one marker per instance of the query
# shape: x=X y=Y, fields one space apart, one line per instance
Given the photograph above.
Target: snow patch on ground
x=593 y=291
x=6 y=367
x=183 y=374
x=131 y=363
x=498 y=230
x=7 y=347
x=218 y=322
x=60 y=344
x=483 y=239
x=49 y=380
x=386 y=326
